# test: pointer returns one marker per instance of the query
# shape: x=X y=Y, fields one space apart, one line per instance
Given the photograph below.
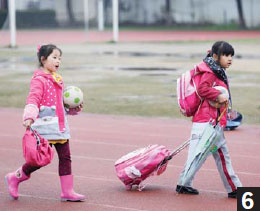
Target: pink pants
x=63 y=151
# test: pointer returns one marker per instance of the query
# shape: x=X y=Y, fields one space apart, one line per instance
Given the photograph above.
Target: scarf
x=218 y=71
x=56 y=77
x=214 y=66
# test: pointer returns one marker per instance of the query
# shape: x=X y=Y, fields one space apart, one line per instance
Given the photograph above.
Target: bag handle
x=222 y=113
x=36 y=136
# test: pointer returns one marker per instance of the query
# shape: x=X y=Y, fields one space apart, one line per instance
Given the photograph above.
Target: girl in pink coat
x=45 y=112
x=213 y=73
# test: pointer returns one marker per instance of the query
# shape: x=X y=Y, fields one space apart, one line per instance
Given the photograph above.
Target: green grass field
x=119 y=81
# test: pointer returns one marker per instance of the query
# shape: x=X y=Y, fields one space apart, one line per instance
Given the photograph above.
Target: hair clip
x=38 y=48
x=209 y=51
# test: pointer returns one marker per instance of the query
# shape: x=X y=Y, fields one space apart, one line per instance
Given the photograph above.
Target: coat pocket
x=46 y=125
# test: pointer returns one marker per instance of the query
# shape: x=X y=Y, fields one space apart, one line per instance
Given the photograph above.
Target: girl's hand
x=216 y=104
x=222 y=98
x=79 y=108
x=75 y=111
x=27 y=123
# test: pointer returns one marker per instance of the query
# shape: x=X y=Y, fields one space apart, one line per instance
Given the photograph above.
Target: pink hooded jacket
x=206 y=112
x=45 y=91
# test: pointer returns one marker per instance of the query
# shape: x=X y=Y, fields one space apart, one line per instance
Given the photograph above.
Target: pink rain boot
x=67 y=192
x=13 y=179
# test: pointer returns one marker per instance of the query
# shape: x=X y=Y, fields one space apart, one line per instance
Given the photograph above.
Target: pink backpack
x=136 y=166
x=187 y=95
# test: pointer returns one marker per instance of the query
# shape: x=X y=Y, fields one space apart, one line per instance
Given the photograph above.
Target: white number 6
x=247 y=203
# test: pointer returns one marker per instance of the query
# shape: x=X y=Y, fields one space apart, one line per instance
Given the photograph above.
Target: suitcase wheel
x=128 y=187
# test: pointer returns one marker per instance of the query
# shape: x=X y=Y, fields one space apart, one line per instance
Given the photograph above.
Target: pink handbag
x=36 y=149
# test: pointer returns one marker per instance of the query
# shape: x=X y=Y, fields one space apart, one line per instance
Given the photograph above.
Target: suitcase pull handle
x=175 y=152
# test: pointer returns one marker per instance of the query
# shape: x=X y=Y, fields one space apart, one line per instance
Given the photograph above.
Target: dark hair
x=222 y=48
x=45 y=51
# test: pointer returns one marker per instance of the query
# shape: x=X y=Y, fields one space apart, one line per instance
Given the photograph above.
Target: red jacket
x=206 y=112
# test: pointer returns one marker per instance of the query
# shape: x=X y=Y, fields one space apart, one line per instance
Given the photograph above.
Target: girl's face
x=53 y=61
x=225 y=61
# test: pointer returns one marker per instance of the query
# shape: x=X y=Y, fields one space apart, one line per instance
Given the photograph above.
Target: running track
x=36 y=37
x=98 y=140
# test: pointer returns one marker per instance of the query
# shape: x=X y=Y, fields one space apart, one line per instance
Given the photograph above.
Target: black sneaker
x=233 y=194
x=186 y=190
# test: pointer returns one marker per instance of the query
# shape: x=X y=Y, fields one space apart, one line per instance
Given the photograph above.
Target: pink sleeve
x=33 y=100
x=31 y=111
x=36 y=92
x=205 y=89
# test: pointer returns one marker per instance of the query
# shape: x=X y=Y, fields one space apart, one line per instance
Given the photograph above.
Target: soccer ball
x=223 y=91
x=72 y=97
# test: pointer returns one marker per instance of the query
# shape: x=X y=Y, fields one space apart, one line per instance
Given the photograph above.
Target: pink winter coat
x=206 y=91
x=45 y=91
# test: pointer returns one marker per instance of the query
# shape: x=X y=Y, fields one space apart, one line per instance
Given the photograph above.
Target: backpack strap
x=196 y=73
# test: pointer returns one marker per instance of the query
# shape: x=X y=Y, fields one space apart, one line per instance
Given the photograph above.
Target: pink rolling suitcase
x=134 y=167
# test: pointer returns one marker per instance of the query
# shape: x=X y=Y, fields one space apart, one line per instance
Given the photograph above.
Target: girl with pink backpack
x=45 y=113
x=197 y=97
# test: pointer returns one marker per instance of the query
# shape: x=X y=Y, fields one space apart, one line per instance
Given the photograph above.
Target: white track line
x=105 y=143
x=110 y=142
x=135 y=147
x=169 y=165
x=117 y=181
x=93 y=204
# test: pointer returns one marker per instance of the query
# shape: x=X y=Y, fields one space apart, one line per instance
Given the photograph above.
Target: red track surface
x=98 y=140
x=72 y=37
